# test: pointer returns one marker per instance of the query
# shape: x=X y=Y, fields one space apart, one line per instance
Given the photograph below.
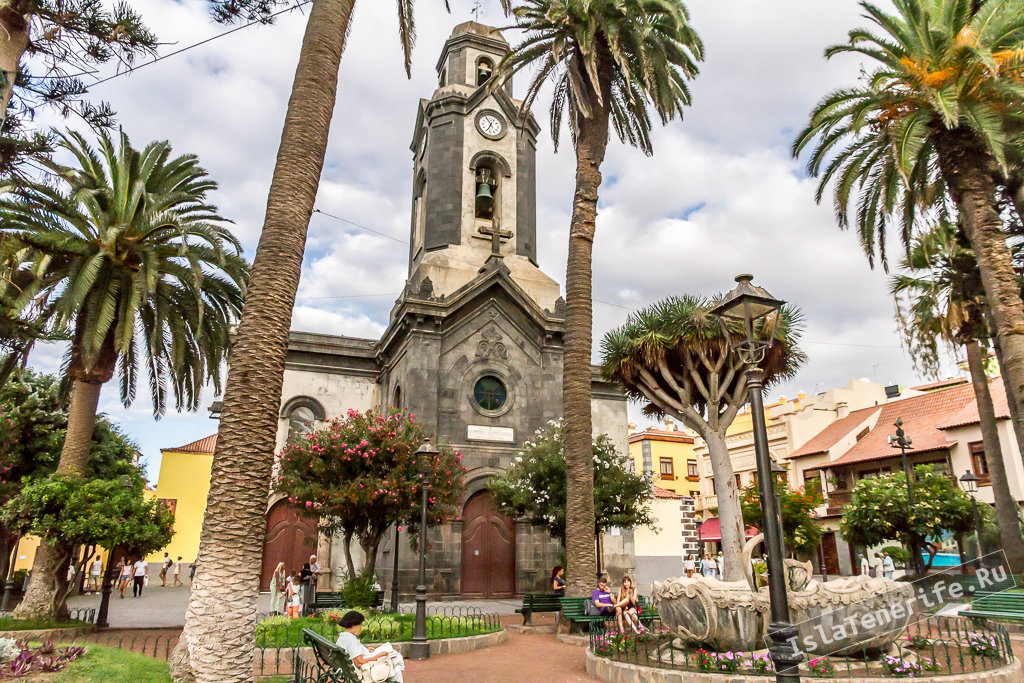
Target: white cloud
x=720 y=196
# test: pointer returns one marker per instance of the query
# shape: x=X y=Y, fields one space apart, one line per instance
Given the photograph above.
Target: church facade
x=474 y=343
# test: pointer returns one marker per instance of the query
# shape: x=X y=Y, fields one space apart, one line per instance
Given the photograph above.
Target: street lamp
x=903 y=443
x=5 y=604
x=419 y=648
x=394 y=575
x=969 y=482
x=748 y=303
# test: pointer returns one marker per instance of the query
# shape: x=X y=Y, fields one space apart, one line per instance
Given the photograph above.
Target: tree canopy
x=796 y=507
x=879 y=509
x=360 y=474
x=535 y=485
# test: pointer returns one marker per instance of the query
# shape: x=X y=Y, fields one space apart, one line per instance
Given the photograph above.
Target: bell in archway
x=484 y=193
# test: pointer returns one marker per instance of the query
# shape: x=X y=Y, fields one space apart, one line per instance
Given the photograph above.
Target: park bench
x=574 y=611
x=1003 y=606
x=326 y=600
x=330 y=660
x=538 y=602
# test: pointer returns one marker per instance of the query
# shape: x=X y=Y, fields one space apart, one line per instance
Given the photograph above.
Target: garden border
x=611 y=671
x=49 y=633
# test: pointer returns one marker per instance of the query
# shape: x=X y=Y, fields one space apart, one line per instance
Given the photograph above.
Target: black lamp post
x=969 y=482
x=5 y=604
x=748 y=303
x=419 y=648
x=903 y=443
x=394 y=576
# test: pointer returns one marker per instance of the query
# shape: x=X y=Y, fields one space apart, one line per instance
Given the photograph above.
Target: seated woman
x=348 y=640
x=628 y=606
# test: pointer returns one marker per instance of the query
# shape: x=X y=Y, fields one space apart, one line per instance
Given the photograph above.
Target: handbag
x=377 y=671
x=590 y=609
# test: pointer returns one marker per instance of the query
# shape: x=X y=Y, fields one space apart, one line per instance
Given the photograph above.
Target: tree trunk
x=217 y=641
x=968 y=170
x=730 y=518
x=581 y=556
x=370 y=548
x=74 y=457
x=14 y=37
x=347 y=544
x=48 y=584
x=1011 y=399
x=1006 y=506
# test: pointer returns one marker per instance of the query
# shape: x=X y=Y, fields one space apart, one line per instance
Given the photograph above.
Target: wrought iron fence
x=934 y=646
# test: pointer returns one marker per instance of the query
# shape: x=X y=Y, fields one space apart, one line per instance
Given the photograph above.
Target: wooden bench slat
x=331 y=657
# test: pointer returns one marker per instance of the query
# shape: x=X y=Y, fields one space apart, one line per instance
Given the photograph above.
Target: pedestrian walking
x=95 y=569
x=192 y=571
x=139 y=576
x=177 y=573
x=888 y=567
x=689 y=566
x=720 y=567
x=865 y=566
x=278 y=589
x=124 y=577
x=164 y=567
x=707 y=566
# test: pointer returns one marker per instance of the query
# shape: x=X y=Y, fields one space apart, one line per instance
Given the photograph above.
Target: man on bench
x=602 y=599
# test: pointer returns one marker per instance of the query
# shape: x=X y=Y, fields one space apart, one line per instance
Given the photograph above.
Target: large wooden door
x=831 y=552
x=290 y=538
x=488 y=550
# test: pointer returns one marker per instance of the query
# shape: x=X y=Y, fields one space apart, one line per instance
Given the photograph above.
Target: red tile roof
x=941 y=384
x=830 y=435
x=204 y=445
x=650 y=434
x=921 y=418
x=968 y=415
x=665 y=493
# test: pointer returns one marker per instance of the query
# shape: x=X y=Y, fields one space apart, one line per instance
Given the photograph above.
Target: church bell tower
x=474 y=174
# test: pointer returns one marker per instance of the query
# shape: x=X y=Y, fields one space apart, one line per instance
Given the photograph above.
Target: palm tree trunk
x=14 y=38
x=1011 y=400
x=217 y=641
x=968 y=170
x=581 y=557
x=730 y=518
x=1006 y=506
x=40 y=601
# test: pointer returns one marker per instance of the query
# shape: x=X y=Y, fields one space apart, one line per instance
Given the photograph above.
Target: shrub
x=727 y=662
x=918 y=642
x=760 y=664
x=357 y=591
x=900 y=668
x=823 y=667
x=983 y=645
x=9 y=649
x=898 y=553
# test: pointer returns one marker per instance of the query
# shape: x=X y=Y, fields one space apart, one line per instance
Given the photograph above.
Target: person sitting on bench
x=348 y=640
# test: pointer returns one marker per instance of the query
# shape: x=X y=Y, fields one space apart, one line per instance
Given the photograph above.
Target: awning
x=710 y=531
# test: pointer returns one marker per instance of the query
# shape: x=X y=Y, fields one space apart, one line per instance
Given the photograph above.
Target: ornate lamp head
x=748 y=303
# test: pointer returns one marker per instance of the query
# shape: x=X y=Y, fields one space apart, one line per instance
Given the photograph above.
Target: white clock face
x=490 y=124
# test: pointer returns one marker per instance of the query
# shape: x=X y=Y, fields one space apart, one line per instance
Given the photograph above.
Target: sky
x=721 y=195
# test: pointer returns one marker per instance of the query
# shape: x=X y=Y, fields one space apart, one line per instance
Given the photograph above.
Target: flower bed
x=19 y=659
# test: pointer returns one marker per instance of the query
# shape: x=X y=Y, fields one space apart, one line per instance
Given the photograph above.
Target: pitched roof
x=941 y=384
x=968 y=415
x=665 y=493
x=830 y=435
x=651 y=434
x=921 y=417
x=204 y=445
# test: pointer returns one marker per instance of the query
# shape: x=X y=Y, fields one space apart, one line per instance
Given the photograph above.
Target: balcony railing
x=837 y=500
x=705 y=502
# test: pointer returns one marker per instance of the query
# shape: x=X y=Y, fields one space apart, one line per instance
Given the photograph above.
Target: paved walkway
x=161 y=607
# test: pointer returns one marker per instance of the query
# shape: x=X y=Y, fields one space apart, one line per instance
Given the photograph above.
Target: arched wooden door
x=291 y=538
x=488 y=550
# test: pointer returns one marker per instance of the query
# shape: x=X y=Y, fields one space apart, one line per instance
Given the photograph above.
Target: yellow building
x=184 y=485
x=668 y=455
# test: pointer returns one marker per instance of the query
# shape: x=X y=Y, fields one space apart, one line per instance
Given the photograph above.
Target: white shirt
x=688 y=565
x=140 y=567
x=167 y=562
x=177 y=567
x=888 y=565
x=95 y=567
x=351 y=645
x=865 y=566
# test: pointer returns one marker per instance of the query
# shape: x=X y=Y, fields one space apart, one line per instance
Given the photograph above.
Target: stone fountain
x=852 y=616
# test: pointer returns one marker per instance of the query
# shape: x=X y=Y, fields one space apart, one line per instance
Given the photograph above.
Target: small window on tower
x=442 y=78
x=484 y=70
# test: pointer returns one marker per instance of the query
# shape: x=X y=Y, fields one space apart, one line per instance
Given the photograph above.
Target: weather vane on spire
x=476 y=10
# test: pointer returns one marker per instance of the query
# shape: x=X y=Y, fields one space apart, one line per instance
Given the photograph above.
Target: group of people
x=882 y=565
x=133 y=571
x=625 y=604
x=289 y=592
x=709 y=565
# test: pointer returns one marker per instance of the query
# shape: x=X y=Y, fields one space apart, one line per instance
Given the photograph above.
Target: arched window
x=302 y=413
x=442 y=78
x=484 y=70
x=486 y=191
x=398 y=398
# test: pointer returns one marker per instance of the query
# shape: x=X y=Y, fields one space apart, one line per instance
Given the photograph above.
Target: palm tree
x=129 y=256
x=939 y=113
x=213 y=647
x=940 y=296
x=608 y=61
x=677 y=357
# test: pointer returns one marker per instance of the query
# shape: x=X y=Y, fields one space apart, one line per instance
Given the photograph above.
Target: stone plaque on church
x=484 y=433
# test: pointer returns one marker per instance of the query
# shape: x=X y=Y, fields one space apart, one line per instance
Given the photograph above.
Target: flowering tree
x=799 y=524
x=361 y=474
x=878 y=510
x=535 y=485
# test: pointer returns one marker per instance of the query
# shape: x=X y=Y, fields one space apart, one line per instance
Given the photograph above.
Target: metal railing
x=84 y=614
x=935 y=646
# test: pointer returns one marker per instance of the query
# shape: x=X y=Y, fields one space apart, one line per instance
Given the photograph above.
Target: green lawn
x=283 y=632
x=106 y=665
x=9 y=624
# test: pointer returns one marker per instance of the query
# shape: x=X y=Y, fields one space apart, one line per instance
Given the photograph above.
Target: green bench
x=330 y=659
x=1004 y=606
x=574 y=611
x=538 y=602
x=327 y=599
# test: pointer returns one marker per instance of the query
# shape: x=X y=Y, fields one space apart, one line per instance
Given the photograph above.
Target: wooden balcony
x=837 y=500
